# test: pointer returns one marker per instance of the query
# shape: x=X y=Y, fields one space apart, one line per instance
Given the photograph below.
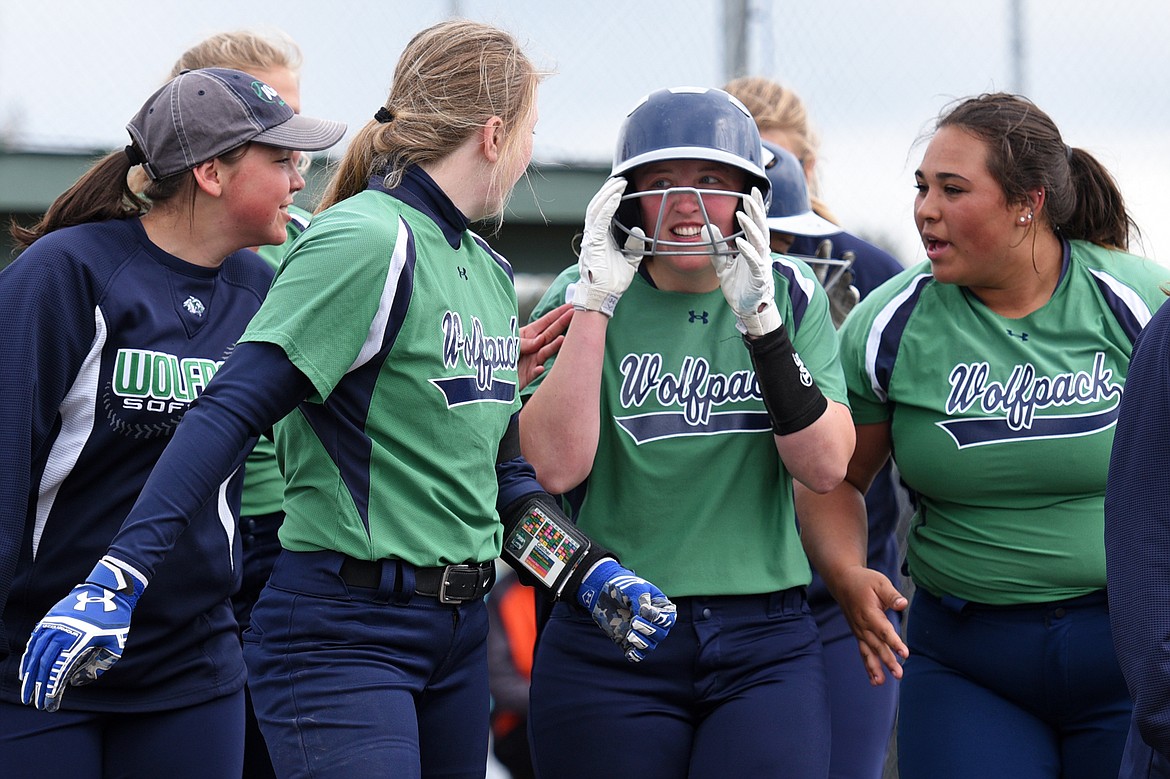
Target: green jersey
x=263 y=484
x=405 y=323
x=687 y=486
x=1003 y=427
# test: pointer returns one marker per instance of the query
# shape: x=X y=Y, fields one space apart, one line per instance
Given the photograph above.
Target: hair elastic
x=383 y=115
x=134 y=155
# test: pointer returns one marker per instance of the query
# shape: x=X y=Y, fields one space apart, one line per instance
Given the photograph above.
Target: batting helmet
x=686 y=123
x=791 y=210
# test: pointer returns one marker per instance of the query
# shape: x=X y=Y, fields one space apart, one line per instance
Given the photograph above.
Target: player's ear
x=492 y=138
x=1036 y=198
x=208 y=178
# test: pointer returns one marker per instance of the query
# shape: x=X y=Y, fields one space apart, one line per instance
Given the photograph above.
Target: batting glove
x=746 y=276
x=82 y=636
x=605 y=271
x=634 y=613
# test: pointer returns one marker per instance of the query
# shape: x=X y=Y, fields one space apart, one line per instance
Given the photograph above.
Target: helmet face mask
x=685 y=123
x=651 y=244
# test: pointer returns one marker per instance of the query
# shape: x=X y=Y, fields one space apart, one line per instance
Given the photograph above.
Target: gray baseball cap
x=200 y=114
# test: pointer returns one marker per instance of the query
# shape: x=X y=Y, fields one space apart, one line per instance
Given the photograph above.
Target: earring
x=1026 y=218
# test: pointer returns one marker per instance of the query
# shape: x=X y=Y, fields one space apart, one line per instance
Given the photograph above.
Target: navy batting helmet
x=687 y=123
x=791 y=210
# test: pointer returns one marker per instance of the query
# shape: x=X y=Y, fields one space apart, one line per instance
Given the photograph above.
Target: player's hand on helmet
x=634 y=613
x=606 y=271
x=746 y=274
x=81 y=637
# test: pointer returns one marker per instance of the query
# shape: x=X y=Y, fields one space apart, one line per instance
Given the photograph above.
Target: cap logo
x=266 y=93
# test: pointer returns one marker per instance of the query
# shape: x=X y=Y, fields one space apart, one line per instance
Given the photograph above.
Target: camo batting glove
x=82 y=636
x=606 y=272
x=746 y=276
x=634 y=613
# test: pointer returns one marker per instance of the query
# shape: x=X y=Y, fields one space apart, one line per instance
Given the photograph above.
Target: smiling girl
x=116 y=316
x=698 y=379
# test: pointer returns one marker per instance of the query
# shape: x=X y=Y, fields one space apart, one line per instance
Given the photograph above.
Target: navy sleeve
x=257 y=386
x=515 y=476
x=1137 y=533
x=48 y=312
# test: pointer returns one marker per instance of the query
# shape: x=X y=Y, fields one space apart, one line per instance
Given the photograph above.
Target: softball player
x=679 y=446
x=116 y=318
x=388 y=349
x=994 y=372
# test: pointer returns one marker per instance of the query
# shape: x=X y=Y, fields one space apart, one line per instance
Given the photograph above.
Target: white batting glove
x=605 y=271
x=746 y=276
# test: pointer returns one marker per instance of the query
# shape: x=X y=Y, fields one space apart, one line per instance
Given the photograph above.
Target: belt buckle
x=446 y=599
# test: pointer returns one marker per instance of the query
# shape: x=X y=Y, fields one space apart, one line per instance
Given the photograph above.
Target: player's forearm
x=560 y=423
x=833 y=529
x=818 y=455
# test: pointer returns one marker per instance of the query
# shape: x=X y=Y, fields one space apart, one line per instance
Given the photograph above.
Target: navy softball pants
x=1022 y=692
x=736 y=689
x=863 y=715
x=358 y=682
x=193 y=742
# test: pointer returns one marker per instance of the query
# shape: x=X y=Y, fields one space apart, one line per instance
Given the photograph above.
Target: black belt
x=448 y=583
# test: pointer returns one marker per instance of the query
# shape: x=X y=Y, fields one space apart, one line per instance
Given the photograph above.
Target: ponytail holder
x=383 y=116
x=1068 y=152
x=134 y=155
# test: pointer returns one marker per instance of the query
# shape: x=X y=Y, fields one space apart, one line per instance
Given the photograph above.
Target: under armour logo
x=1021 y=336
x=699 y=317
x=106 y=599
x=462 y=273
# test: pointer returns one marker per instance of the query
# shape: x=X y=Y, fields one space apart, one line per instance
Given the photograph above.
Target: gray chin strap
x=638 y=246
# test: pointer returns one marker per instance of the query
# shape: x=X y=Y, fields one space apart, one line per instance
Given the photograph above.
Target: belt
x=449 y=583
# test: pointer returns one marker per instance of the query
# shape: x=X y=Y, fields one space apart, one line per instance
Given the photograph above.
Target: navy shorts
x=736 y=689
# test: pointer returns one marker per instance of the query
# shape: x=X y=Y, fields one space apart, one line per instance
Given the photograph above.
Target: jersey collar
x=420 y=191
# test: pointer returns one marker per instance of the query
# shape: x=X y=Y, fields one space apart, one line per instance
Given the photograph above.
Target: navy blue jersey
x=107 y=341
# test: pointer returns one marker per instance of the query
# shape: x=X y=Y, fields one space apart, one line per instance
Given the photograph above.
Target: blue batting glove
x=82 y=636
x=634 y=613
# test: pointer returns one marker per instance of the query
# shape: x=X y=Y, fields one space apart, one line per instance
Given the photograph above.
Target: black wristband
x=791 y=395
